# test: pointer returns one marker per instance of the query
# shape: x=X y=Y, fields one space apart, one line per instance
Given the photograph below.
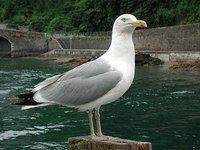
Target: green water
x=162 y=107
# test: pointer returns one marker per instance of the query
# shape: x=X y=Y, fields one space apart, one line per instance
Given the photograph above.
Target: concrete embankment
x=184 y=38
x=168 y=44
x=175 y=60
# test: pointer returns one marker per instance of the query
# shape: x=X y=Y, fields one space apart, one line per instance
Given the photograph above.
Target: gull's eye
x=124 y=19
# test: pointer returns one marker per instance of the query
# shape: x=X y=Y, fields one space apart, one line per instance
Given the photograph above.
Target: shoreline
x=73 y=61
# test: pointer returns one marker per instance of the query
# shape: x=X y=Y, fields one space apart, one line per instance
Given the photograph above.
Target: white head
x=127 y=23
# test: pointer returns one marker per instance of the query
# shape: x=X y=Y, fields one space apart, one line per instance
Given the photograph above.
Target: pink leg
x=98 y=122
x=99 y=136
x=90 y=118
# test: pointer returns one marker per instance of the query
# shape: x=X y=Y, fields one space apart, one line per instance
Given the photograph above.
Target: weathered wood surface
x=86 y=143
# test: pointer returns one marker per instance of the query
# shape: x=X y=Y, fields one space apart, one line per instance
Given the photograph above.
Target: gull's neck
x=121 y=55
x=121 y=47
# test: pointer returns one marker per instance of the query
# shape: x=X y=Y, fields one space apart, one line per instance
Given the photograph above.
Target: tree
x=95 y=15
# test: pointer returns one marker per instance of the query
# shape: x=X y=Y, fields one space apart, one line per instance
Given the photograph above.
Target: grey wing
x=75 y=89
x=85 y=70
x=46 y=82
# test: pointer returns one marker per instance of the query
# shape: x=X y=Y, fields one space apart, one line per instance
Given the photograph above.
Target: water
x=162 y=107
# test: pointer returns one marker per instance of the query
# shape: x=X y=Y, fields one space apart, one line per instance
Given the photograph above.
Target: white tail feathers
x=34 y=106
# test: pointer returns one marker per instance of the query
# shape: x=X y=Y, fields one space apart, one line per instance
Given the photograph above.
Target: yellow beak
x=139 y=23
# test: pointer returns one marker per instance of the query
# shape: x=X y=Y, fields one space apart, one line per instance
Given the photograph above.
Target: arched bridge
x=21 y=43
x=5 y=46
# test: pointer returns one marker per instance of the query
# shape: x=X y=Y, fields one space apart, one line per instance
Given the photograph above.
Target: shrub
x=61 y=23
x=16 y=21
x=39 y=23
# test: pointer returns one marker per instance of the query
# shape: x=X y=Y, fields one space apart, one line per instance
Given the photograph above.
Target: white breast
x=127 y=68
x=121 y=56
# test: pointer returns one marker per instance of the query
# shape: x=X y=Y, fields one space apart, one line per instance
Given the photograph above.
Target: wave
x=182 y=92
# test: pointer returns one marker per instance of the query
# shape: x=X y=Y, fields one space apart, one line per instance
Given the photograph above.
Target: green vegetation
x=94 y=15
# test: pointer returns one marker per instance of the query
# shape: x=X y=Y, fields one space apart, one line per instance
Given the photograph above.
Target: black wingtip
x=25 y=99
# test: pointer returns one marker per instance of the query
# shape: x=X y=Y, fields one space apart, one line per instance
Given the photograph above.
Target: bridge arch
x=5 y=46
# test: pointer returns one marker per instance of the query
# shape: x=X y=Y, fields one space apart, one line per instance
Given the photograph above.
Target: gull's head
x=128 y=23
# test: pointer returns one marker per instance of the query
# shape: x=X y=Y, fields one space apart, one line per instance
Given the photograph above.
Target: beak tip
x=140 y=24
x=144 y=24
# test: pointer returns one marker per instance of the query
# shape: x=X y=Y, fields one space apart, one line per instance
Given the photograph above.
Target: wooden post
x=86 y=143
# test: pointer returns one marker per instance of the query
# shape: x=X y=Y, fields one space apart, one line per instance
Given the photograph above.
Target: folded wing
x=79 y=86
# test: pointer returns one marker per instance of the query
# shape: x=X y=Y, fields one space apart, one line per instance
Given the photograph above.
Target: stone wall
x=174 y=38
x=85 y=42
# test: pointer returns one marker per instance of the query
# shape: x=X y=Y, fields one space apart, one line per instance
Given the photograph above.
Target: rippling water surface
x=162 y=107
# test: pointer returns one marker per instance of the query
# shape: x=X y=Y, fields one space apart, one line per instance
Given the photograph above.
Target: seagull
x=94 y=83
